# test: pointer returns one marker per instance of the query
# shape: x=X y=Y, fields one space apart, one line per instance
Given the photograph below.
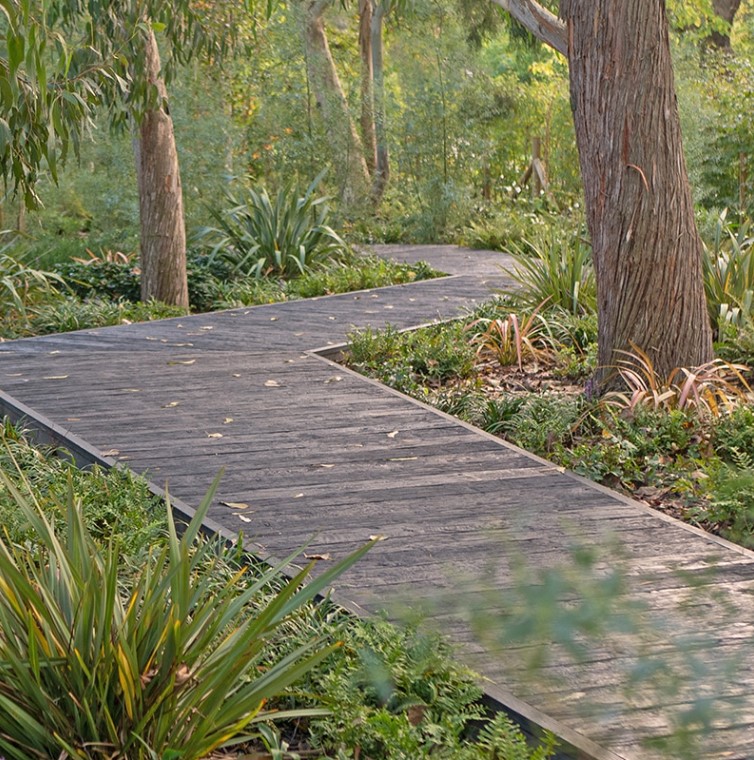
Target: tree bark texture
x=382 y=166
x=163 y=235
x=348 y=149
x=726 y=10
x=647 y=251
x=367 y=84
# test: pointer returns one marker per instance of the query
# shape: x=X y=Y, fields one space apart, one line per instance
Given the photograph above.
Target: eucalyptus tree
x=646 y=248
x=64 y=58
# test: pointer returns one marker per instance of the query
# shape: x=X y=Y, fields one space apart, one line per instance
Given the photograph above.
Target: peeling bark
x=163 y=235
x=348 y=149
x=647 y=251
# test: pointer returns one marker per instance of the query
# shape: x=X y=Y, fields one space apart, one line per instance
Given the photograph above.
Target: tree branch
x=539 y=21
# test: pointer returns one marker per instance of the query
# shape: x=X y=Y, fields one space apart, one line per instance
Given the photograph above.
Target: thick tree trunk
x=163 y=235
x=331 y=101
x=726 y=10
x=382 y=167
x=647 y=251
x=367 y=84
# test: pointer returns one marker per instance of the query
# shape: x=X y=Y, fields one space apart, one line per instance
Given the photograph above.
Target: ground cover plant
x=121 y=638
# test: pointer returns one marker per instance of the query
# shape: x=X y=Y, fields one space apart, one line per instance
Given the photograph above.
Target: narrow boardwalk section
x=327 y=458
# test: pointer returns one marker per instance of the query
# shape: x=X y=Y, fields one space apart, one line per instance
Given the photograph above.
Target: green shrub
x=167 y=666
x=71 y=313
x=556 y=271
x=404 y=360
x=21 y=286
x=100 y=278
x=729 y=274
x=285 y=236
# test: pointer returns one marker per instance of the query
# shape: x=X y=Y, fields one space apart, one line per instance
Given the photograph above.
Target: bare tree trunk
x=163 y=235
x=367 y=84
x=726 y=10
x=382 y=167
x=647 y=251
x=331 y=101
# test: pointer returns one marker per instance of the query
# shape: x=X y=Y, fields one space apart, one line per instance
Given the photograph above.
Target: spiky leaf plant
x=283 y=236
x=169 y=664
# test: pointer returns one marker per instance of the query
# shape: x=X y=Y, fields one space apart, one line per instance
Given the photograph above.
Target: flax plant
x=172 y=663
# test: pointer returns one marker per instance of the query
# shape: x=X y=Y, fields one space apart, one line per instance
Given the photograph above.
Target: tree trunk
x=382 y=167
x=726 y=10
x=163 y=235
x=331 y=101
x=367 y=84
x=647 y=251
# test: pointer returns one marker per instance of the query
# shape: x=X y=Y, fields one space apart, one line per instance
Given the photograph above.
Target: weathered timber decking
x=305 y=442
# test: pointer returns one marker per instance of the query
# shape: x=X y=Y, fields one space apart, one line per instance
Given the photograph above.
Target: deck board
x=325 y=457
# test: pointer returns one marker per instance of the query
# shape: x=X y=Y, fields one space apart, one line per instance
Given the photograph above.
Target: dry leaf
x=170 y=404
x=271 y=384
x=332 y=318
x=56 y=377
x=378 y=537
x=235 y=504
x=244 y=518
x=298 y=496
x=207 y=327
x=274 y=319
x=182 y=675
x=235 y=374
x=73 y=419
x=180 y=361
x=227 y=420
x=131 y=390
x=214 y=435
x=388 y=306
x=149 y=337
x=393 y=434
x=415 y=714
x=110 y=453
x=324 y=557
x=402 y=459
x=183 y=345
x=333 y=379
x=298 y=334
x=326 y=466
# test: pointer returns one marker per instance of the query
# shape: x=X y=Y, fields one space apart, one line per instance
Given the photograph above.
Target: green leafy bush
x=406 y=359
x=167 y=667
x=100 y=278
x=729 y=274
x=554 y=270
x=71 y=313
x=285 y=236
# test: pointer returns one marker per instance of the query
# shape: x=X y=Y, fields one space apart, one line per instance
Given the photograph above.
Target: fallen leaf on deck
x=214 y=435
x=235 y=504
x=183 y=345
x=274 y=319
x=149 y=337
x=170 y=404
x=235 y=374
x=244 y=518
x=332 y=318
x=402 y=459
x=298 y=496
x=110 y=453
x=131 y=390
x=180 y=361
x=378 y=537
x=56 y=377
x=52 y=353
x=207 y=327
x=324 y=557
x=393 y=434
x=271 y=384
x=227 y=420
x=326 y=466
x=333 y=379
x=73 y=419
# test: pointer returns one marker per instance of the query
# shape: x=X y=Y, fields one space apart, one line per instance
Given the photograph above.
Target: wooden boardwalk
x=325 y=456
